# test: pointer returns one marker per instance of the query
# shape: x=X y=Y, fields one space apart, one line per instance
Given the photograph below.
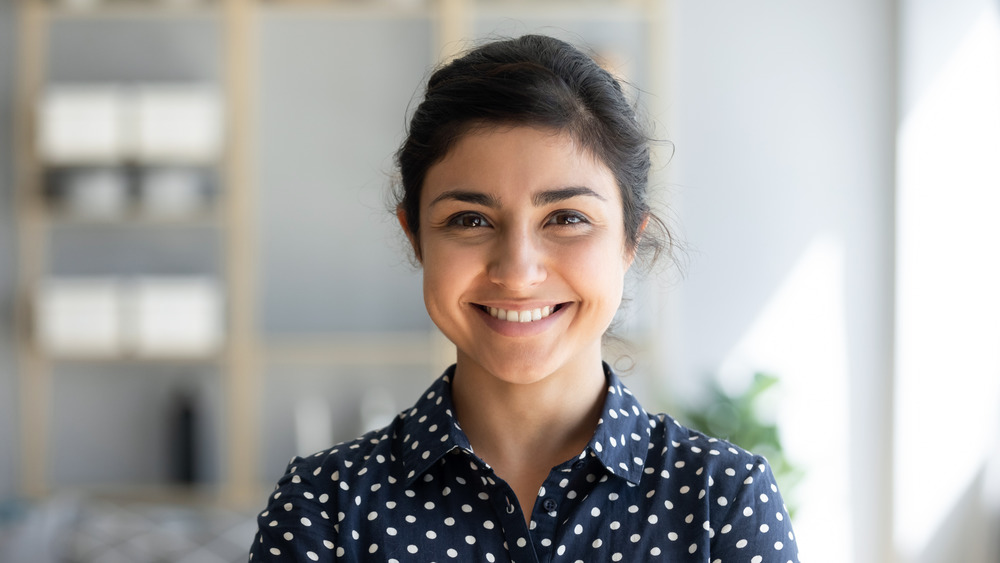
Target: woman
x=523 y=194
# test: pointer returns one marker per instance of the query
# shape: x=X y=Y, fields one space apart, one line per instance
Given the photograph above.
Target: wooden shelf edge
x=416 y=348
x=135 y=9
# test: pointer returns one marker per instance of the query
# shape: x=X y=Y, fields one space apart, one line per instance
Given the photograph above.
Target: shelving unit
x=227 y=217
x=248 y=348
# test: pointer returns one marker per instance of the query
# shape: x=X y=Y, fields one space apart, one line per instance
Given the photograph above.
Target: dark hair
x=539 y=81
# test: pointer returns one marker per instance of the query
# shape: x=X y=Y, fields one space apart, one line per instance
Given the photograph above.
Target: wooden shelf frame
x=231 y=213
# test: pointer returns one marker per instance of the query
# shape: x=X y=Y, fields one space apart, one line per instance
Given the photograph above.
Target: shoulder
x=736 y=488
x=685 y=446
x=330 y=475
x=373 y=448
x=316 y=493
x=720 y=470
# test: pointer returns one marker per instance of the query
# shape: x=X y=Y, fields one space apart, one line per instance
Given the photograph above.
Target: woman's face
x=523 y=252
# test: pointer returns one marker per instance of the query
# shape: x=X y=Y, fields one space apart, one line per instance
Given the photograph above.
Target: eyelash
x=569 y=219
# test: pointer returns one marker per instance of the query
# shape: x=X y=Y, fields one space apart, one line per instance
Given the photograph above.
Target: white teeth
x=521 y=316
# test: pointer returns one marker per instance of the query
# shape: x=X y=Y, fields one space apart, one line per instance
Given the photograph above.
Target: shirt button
x=578 y=464
x=550 y=505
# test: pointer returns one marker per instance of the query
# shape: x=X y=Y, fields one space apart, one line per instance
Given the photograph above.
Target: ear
x=401 y=217
x=630 y=255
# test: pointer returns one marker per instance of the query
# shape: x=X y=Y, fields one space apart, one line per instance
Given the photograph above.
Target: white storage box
x=175 y=317
x=80 y=317
x=177 y=123
x=83 y=123
x=172 y=192
x=96 y=193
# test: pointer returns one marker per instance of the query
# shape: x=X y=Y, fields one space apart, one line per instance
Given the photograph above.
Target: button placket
x=550 y=505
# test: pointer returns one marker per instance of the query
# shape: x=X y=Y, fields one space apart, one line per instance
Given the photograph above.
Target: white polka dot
x=597 y=543
x=452 y=553
x=312 y=555
x=747 y=511
x=275 y=551
x=411 y=548
x=672 y=536
x=373 y=548
x=305 y=521
x=635 y=538
x=693 y=548
x=470 y=540
x=288 y=536
x=741 y=544
x=595 y=512
x=430 y=534
x=756 y=559
x=521 y=542
x=652 y=519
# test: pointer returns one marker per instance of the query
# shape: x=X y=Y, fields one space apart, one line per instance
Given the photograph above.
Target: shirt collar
x=620 y=442
x=430 y=429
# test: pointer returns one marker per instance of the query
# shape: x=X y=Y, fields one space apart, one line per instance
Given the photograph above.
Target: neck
x=519 y=425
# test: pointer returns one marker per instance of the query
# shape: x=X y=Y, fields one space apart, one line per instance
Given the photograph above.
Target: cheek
x=601 y=264
x=446 y=273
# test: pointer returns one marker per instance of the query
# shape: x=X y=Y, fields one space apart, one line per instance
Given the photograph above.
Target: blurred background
x=199 y=276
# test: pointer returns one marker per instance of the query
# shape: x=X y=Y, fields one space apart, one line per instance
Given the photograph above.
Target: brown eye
x=567 y=218
x=468 y=221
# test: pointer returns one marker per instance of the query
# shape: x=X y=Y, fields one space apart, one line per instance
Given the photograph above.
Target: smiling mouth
x=526 y=316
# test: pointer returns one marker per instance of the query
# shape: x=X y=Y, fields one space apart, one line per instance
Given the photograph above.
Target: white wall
x=783 y=118
x=947 y=419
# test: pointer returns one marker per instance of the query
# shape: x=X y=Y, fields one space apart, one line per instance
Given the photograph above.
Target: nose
x=518 y=261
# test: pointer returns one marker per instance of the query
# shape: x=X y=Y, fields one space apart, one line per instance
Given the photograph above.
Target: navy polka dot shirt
x=644 y=489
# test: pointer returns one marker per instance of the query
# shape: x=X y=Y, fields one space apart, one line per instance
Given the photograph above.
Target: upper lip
x=518 y=305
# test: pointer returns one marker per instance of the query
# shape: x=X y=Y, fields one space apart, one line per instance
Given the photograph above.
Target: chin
x=523 y=368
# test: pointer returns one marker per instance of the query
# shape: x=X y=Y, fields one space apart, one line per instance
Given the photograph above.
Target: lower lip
x=520 y=330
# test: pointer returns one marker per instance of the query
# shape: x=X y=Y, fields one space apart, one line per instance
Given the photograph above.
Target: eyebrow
x=546 y=197
x=478 y=198
x=549 y=197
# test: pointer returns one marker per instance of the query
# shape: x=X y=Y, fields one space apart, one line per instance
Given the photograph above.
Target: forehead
x=517 y=161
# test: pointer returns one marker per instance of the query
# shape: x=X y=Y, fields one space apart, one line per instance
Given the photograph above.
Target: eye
x=468 y=220
x=567 y=218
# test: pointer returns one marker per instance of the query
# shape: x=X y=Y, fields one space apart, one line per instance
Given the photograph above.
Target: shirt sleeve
x=296 y=524
x=756 y=528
